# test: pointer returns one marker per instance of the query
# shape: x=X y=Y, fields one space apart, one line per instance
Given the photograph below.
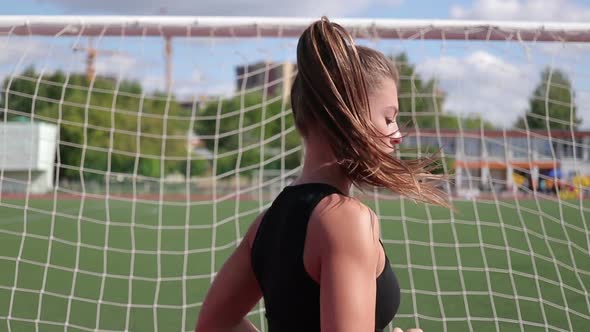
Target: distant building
x=275 y=77
x=27 y=157
x=496 y=157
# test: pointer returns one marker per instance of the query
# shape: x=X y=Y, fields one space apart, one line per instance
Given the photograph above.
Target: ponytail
x=331 y=90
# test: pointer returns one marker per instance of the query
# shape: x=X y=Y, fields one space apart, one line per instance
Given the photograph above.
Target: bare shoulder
x=344 y=223
x=346 y=240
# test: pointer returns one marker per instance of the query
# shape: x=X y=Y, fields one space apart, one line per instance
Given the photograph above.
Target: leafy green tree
x=249 y=131
x=104 y=125
x=552 y=104
x=419 y=100
x=469 y=122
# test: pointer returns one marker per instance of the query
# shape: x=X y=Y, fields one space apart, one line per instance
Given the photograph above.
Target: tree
x=249 y=130
x=232 y=127
x=552 y=104
x=469 y=122
x=104 y=125
x=418 y=99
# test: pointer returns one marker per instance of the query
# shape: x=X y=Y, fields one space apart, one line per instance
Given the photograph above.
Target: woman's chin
x=388 y=150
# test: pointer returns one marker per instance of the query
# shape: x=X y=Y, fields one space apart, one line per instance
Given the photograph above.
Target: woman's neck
x=320 y=165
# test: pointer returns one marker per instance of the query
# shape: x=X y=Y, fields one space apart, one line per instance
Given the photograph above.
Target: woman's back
x=291 y=295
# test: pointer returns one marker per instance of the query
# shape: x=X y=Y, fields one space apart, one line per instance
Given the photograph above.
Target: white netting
x=135 y=152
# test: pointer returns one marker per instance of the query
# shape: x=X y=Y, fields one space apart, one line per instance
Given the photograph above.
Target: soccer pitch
x=509 y=265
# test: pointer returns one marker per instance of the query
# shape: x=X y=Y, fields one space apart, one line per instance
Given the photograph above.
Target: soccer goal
x=173 y=133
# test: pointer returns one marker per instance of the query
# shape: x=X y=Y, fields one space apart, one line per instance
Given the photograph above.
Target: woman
x=315 y=254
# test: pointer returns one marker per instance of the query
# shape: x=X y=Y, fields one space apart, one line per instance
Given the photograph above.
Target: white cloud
x=482 y=83
x=115 y=64
x=583 y=105
x=185 y=88
x=152 y=82
x=526 y=10
x=391 y=3
x=199 y=83
x=14 y=50
x=186 y=91
x=222 y=7
x=197 y=76
x=16 y=54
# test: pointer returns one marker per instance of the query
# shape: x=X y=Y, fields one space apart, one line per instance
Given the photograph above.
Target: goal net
x=136 y=151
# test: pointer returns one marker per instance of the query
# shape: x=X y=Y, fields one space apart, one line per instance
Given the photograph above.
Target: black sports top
x=291 y=296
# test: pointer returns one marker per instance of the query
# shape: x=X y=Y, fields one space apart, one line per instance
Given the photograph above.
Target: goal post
x=171 y=134
x=289 y=27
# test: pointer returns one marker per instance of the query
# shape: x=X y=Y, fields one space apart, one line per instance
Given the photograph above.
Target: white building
x=27 y=157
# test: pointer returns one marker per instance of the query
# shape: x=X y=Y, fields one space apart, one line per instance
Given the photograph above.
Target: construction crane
x=91 y=54
x=168 y=59
x=167 y=54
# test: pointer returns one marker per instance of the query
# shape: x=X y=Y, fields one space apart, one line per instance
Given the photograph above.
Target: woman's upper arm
x=235 y=290
x=348 y=263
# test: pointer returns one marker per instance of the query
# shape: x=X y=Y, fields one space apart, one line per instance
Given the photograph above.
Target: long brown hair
x=331 y=90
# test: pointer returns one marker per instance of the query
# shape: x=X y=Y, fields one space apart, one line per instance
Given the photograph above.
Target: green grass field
x=508 y=265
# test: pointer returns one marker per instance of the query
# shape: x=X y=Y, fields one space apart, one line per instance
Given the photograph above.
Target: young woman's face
x=384 y=110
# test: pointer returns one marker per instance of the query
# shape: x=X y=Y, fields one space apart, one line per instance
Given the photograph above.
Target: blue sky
x=383 y=8
x=503 y=73
x=540 y=10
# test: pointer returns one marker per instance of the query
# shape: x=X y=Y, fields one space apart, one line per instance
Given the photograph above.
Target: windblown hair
x=331 y=91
